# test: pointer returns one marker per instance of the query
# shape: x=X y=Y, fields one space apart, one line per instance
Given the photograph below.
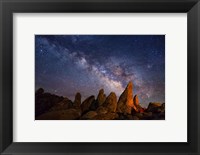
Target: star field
x=66 y=64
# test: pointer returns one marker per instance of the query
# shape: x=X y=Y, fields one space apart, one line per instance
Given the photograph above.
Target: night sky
x=66 y=64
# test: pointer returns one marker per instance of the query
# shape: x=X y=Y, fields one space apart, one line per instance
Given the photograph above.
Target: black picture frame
x=8 y=7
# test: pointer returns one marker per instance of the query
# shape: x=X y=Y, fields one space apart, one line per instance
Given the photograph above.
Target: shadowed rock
x=102 y=110
x=163 y=106
x=136 y=100
x=135 y=118
x=52 y=107
x=147 y=115
x=44 y=101
x=85 y=106
x=63 y=105
x=137 y=107
x=107 y=116
x=94 y=106
x=111 y=102
x=89 y=115
x=69 y=114
x=153 y=107
x=77 y=100
x=125 y=103
x=39 y=91
x=101 y=97
x=139 y=115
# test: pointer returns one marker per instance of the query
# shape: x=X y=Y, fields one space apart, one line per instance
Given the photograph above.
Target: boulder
x=140 y=109
x=44 y=101
x=153 y=107
x=136 y=105
x=129 y=117
x=111 y=102
x=107 y=116
x=69 y=114
x=101 y=97
x=102 y=110
x=116 y=116
x=77 y=100
x=125 y=102
x=63 y=105
x=135 y=118
x=139 y=115
x=147 y=115
x=39 y=91
x=94 y=105
x=89 y=115
x=85 y=106
x=161 y=116
x=136 y=100
x=163 y=107
x=121 y=116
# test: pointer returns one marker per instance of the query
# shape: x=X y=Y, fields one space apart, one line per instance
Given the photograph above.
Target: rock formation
x=52 y=107
x=44 y=101
x=136 y=100
x=125 y=103
x=40 y=91
x=107 y=116
x=101 y=97
x=153 y=106
x=137 y=107
x=85 y=106
x=102 y=110
x=69 y=114
x=111 y=102
x=163 y=106
x=77 y=100
x=89 y=115
x=62 y=105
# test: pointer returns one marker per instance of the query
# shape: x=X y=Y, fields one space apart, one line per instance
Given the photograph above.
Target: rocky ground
x=52 y=107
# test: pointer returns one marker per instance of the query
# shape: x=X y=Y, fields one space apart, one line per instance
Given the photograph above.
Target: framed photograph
x=99 y=77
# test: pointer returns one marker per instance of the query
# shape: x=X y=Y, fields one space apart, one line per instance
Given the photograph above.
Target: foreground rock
x=40 y=91
x=52 y=107
x=101 y=97
x=44 y=101
x=111 y=102
x=107 y=116
x=102 y=110
x=89 y=115
x=85 y=106
x=70 y=114
x=77 y=100
x=136 y=100
x=163 y=107
x=125 y=103
x=137 y=107
x=154 y=107
x=63 y=105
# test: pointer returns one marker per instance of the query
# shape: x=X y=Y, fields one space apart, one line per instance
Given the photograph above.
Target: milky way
x=66 y=64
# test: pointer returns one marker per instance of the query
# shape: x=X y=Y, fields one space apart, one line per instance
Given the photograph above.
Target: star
x=66 y=64
x=149 y=66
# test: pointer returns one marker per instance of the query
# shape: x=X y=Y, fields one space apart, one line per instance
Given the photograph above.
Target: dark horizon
x=67 y=64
